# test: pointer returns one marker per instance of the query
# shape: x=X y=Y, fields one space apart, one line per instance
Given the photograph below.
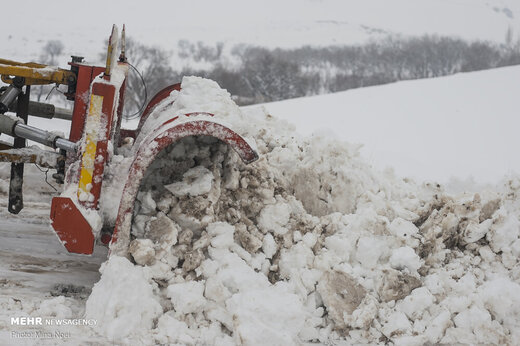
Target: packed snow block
x=221 y=234
x=370 y=250
x=292 y=261
x=415 y=304
x=274 y=218
x=396 y=285
x=187 y=297
x=248 y=241
x=405 y=258
x=123 y=301
x=269 y=316
x=269 y=246
x=364 y=314
x=396 y=324
x=504 y=232
x=341 y=295
x=475 y=231
x=501 y=297
x=172 y=331
x=402 y=228
x=435 y=330
x=146 y=203
x=139 y=225
x=142 y=251
x=163 y=232
x=195 y=182
x=192 y=259
x=185 y=236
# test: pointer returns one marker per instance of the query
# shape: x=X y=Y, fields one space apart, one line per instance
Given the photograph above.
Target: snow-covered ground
x=311 y=244
x=308 y=245
x=463 y=126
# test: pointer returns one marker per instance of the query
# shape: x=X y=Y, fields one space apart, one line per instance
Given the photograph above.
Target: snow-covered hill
x=83 y=28
x=432 y=129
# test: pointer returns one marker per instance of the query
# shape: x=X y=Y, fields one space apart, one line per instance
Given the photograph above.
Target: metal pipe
x=43 y=137
x=7 y=124
x=46 y=110
x=62 y=113
x=9 y=95
x=66 y=145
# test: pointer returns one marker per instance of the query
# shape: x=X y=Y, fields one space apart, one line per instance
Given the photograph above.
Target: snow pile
x=308 y=244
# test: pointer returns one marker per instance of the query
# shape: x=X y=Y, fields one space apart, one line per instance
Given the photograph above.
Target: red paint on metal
x=171 y=120
x=161 y=95
x=123 y=133
x=164 y=136
x=86 y=74
x=105 y=238
x=67 y=220
x=71 y=227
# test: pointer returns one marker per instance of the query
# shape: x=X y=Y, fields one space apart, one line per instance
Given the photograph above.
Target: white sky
x=83 y=26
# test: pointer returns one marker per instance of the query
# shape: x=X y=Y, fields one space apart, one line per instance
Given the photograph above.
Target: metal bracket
x=16 y=184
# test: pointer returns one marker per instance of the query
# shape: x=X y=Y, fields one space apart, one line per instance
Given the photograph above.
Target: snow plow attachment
x=78 y=215
x=171 y=131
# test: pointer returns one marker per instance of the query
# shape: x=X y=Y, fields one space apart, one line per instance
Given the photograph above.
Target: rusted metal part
x=35 y=74
x=46 y=159
x=5 y=146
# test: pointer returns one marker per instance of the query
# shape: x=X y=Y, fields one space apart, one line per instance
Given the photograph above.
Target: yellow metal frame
x=35 y=74
x=93 y=124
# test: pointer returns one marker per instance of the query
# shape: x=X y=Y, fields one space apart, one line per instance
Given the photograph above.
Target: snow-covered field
x=310 y=244
x=463 y=126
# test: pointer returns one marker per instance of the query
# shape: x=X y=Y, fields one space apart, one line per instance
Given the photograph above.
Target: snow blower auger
x=95 y=134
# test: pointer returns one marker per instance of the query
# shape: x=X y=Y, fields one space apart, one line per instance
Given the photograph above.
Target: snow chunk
x=187 y=297
x=341 y=294
x=269 y=316
x=369 y=250
x=405 y=257
x=502 y=297
x=397 y=323
x=503 y=234
x=269 y=246
x=123 y=301
x=142 y=251
x=416 y=303
x=402 y=228
x=222 y=234
x=274 y=217
x=195 y=182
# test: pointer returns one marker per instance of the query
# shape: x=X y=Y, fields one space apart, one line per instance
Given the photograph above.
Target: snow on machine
x=95 y=134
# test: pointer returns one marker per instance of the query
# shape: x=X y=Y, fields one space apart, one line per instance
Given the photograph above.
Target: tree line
x=257 y=74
